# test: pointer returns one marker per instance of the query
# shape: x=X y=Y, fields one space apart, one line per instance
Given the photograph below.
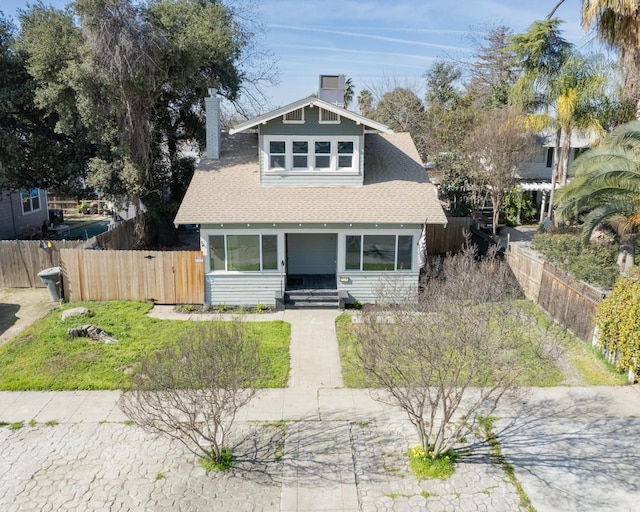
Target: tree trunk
x=563 y=164
x=627 y=252
x=554 y=173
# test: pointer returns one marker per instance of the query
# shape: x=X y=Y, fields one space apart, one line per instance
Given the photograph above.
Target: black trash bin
x=51 y=277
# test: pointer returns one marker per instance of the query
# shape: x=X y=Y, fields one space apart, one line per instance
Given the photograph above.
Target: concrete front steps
x=312 y=298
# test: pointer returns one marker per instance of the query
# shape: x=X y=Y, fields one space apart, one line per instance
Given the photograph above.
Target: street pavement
x=316 y=446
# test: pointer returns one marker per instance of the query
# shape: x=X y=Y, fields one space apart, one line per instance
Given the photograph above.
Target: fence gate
x=164 y=277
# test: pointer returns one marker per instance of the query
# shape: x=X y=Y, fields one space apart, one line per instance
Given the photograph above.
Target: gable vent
x=295 y=116
x=326 y=116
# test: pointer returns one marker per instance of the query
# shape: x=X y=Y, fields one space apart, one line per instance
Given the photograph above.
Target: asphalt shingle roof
x=396 y=189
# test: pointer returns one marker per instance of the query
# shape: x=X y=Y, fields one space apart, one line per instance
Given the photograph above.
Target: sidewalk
x=316 y=446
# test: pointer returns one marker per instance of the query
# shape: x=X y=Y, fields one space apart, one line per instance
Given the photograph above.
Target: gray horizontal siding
x=242 y=289
x=13 y=222
x=366 y=287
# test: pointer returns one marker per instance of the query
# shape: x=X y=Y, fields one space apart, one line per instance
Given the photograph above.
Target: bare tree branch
x=192 y=391
x=449 y=355
x=553 y=11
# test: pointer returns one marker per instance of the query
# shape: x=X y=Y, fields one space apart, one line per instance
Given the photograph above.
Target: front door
x=313 y=256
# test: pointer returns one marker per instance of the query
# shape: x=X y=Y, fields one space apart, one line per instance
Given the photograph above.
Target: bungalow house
x=309 y=199
x=22 y=214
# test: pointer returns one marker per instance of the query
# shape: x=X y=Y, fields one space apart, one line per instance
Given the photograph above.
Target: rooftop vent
x=332 y=89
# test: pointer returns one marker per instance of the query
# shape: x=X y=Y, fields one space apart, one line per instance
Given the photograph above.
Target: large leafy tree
x=449 y=117
x=493 y=69
x=33 y=153
x=401 y=110
x=606 y=188
x=135 y=74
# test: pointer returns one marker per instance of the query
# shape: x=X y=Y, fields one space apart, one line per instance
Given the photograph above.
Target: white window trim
x=31 y=198
x=226 y=260
x=293 y=121
x=395 y=263
x=321 y=121
x=311 y=155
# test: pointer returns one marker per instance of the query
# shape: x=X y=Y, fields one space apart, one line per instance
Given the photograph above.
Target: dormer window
x=328 y=117
x=294 y=117
x=298 y=154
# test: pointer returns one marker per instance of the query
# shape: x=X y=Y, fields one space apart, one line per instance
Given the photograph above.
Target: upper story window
x=328 y=117
x=30 y=200
x=549 y=157
x=312 y=154
x=294 y=117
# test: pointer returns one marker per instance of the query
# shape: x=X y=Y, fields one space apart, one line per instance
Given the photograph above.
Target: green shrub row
x=592 y=263
x=617 y=322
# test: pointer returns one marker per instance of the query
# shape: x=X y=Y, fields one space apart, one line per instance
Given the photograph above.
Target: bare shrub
x=450 y=355
x=192 y=390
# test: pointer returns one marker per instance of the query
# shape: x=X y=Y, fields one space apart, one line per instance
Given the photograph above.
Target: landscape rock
x=69 y=313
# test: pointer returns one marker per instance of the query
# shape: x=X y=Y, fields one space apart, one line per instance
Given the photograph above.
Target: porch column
x=543 y=205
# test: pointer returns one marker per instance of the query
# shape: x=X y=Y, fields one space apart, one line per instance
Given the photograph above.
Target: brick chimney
x=212 y=112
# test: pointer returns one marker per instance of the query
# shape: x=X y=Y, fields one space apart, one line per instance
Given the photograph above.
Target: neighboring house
x=535 y=176
x=310 y=196
x=23 y=214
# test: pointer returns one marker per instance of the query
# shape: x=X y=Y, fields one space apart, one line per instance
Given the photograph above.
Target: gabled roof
x=396 y=189
x=310 y=101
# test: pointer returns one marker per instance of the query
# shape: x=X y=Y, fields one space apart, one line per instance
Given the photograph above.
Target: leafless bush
x=449 y=356
x=192 y=391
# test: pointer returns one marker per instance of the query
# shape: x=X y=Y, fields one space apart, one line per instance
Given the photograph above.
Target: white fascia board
x=310 y=101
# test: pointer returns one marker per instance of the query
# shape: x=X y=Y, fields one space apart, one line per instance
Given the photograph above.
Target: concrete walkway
x=316 y=446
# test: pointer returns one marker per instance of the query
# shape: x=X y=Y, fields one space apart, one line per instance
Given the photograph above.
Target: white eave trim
x=310 y=101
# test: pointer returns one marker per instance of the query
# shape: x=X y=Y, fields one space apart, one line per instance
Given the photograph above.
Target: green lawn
x=540 y=370
x=43 y=357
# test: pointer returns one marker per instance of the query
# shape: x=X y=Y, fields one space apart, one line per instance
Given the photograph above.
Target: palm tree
x=365 y=102
x=561 y=88
x=606 y=188
x=348 y=92
x=617 y=23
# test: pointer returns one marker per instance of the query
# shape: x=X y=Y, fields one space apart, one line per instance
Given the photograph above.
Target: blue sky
x=378 y=42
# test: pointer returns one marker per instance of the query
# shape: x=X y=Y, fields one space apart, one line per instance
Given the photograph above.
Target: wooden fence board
x=174 y=277
x=21 y=260
x=443 y=240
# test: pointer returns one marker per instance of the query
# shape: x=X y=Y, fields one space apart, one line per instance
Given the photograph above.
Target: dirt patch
x=20 y=307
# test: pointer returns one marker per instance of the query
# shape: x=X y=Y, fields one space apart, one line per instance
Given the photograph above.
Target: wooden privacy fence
x=443 y=240
x=21 y=260
x=172 y=277
x=570 y=302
